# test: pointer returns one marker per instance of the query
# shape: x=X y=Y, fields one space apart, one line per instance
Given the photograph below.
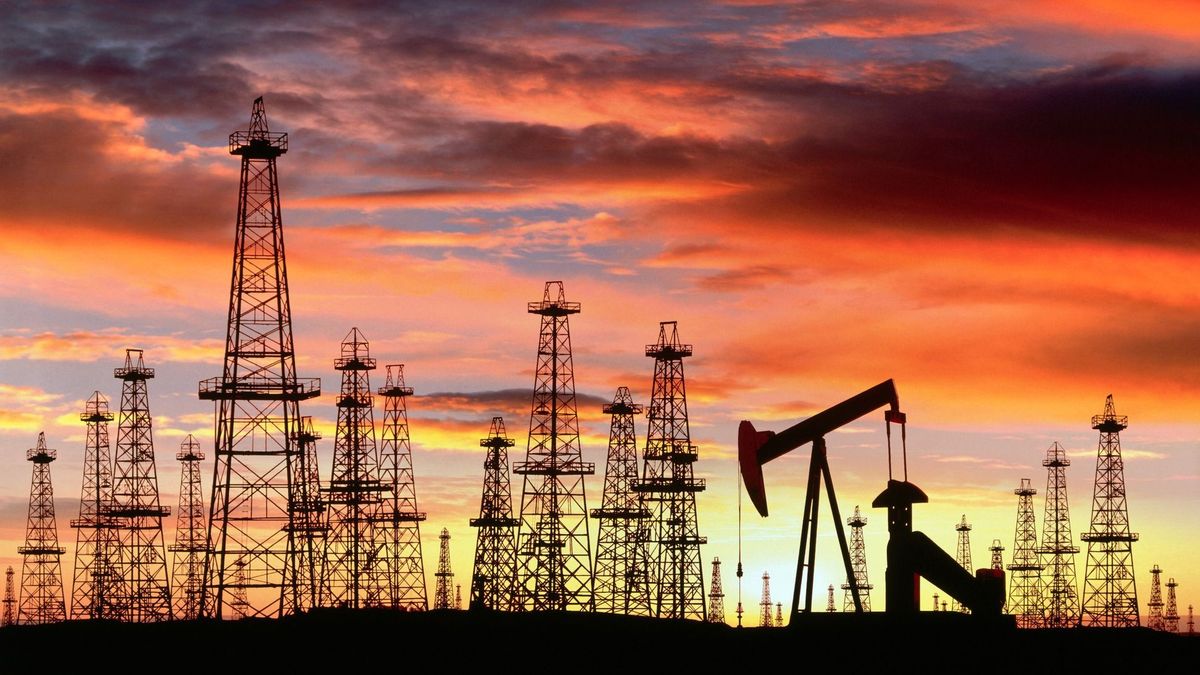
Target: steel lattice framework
x=145 y=595
x=1171 y=617
x=191 y=537
x=1058 y=549
x=997 y=551
x=622 y=584
x=10 y=599
x=398 y=527
x=858 y=563
x=765 y=620
x=1025 y=588
x=445 y=576
x=240 y=603
x=41 y=574
x=495 y=541
x=716 y=595
x=963 y=556
x=95 y=586
x=309 y=522
x=668 y=487
x=554 y=562
x=258 y=463
x=1155 y=606
x=1109 y=587
x=830 y=605
x=355 y=573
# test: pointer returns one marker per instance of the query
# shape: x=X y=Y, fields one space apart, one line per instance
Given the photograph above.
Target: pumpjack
x=910 y=555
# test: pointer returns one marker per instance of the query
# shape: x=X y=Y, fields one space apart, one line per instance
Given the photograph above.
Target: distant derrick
x=191 y=537
x=41 y=575
x=1109 y=587
x=997 y=551
x=10 y=599
x=1171 y=617
x=1025 y=589
x=240 y=605
x=963 y=556
x=355 y=576
x=554 y=566
x=496 y=543
x=308 y=523
x=764 y=615
x=668 y=485
x=830 y=606
x=858 y=563
x=457 y=596
x=1058 y=549
x=1191 y=619
x=257 y=400
x=1155 y=606
x=445 y=577
x=398 y=527
x=622 y=584
x=141 y=552
x=95 y=588
x=716 y=595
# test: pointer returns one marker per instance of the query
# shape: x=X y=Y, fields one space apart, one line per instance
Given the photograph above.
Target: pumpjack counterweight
x=1109 y=586
x=1058 y=549
x=622 y=584
x=96 y=587
x=554 y=562
x=191 y=537
x=492 y=584
x=259 y=464
x=141 y=550
x=41 y=574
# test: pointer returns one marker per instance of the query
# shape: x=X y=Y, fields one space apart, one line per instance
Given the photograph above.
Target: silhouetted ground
x=529 y=643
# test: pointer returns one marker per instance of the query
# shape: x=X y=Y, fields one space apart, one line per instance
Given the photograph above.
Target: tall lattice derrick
x=1025 y=588
x=1058 y=549
x=765 y=620
x=1171 y=617
x=779 y=614
x=308 y=522
x=95 y=586
x=830 y=605
x=258 y=463
x=41 y=575
x=1154 y=608
x=444 y=575
x=240 y=604
x=554 y=562
x=355 y=574
x=668 y=487
x=963 y=557
x=1109 y=587
x=492 y=583
x=191 y=537
x=457 y=596
x=141 y=552
x=622 y=584
x=398 y=527
x=858 y=564
x=997 y=551
x=10 y=599
x=716 y=595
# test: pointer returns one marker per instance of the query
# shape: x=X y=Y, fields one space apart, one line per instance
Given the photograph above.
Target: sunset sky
x=993 y=203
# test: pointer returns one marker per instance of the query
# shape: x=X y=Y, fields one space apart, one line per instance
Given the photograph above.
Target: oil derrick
x=1109 y=588
x=779 y=615
x=830 y=605
x=553 y=552
x=858 y=560
x=937 y=606
x=621 y=581
x=1058 y=550
x=1155 y=606
x=141 y=555
x=963 y=556
x=10 y=599
x=94 y=589
x=191 y=537
x=716 y=595
x=997 y=555
x=1025 y=592
x=495 y=542
x=240 y=603
x=398 y=527
x=257 y=399
x=1191 y=619
x=355 y=575
x=41 y=576
x=764 y=616
x=668 y=486
x=1171 y=617
x=445 y=577
x=308 y=521
x=457 y=596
